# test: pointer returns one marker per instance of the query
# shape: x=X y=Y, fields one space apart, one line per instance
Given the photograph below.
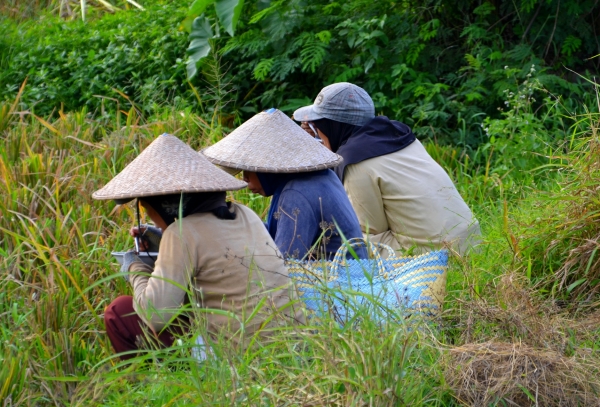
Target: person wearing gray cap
x=213 y=256
x=401 y=196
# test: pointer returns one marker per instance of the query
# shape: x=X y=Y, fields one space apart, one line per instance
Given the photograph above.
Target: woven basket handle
x=357 y=242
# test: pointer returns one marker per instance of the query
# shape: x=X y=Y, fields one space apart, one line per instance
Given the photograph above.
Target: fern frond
x=284 y=66
x=249 y=43
x=312 y=54
x=262 y=69
x=413 y=53
x=348 y=74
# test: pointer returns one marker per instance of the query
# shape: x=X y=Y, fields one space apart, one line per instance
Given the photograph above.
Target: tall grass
x=58 y=275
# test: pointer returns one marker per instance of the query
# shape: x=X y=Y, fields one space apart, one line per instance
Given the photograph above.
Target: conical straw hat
x=167 y=166
x=271 y=142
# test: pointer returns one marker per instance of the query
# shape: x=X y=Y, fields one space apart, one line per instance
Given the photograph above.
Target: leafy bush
x=128 y=57
x=439 y=67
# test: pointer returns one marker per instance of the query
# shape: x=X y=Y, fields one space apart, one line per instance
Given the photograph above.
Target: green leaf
x=369 y=64
x=575 y=284
x=229 y=12
x=324 y=36
x=313 y=54
x=570 y=45
x=473 y=61
x=199 y=46
x=293 y=104
x=348 y=74
x=485 y=9
x=429 y=29
x=473 y=96
x=527 y=393
x=263 y=13
x=413 y=53
x=263 y=68
x=196 y=9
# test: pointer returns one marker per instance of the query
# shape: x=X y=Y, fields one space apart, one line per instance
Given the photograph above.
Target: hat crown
x=167 y=166
x=271 y=142
x=344 y=96
x=343 y=102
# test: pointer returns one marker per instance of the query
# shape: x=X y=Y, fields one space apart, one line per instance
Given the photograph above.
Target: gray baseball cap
x=343 y=102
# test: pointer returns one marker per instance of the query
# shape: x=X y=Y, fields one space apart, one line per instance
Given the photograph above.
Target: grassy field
x=520 y=323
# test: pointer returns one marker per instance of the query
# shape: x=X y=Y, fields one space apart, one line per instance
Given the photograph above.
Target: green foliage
x=519 y=140
x=438 y=67
x=103 y=65
x=201 y=32
x=435 y=67
x=229 y=12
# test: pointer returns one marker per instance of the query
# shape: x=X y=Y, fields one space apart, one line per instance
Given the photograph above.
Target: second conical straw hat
x=167 y=166
x=271 y=142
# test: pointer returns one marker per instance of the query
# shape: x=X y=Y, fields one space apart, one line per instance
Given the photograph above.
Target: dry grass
x=511 y=310
x=581 y=269
x=488 y=373
x=562 y=238
x=519 y=348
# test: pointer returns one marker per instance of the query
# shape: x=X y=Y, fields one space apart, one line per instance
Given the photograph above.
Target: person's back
x=400 y=195
x=281 y=161
x=214 y=257
x=231 y=264
x=311 y=208
x=409 y=194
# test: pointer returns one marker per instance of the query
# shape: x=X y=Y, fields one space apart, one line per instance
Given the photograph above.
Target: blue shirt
x=306 y=210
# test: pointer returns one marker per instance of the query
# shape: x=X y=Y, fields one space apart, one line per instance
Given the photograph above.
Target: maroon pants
x=127 y=332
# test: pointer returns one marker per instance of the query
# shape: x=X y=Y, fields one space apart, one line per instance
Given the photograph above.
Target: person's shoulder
x=363 y=168
x=310 y=185
x=242 y=211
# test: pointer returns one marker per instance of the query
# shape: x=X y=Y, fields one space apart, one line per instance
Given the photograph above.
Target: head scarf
x=168 y=206
x=380 y=136
x=337 y=132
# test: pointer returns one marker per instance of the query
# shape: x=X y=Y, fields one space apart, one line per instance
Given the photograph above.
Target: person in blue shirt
x=310 y=214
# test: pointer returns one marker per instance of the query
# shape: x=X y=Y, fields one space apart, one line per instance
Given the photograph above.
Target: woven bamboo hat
x=271 y=142
x=167 y=166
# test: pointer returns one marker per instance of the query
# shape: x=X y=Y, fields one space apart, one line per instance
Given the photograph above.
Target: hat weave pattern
x=167 y=166
x=271 y=142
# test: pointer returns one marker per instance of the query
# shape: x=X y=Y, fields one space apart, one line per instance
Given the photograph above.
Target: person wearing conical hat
x=310 y=212
x=219 y=252
x=402 y=197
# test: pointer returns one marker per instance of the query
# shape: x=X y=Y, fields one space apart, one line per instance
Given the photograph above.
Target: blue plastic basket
x=408 y=283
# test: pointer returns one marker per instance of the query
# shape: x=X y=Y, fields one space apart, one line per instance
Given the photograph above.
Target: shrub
x=104 y=64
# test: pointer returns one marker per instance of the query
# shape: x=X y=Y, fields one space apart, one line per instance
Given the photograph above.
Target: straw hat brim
x=234 y=168
x=271 y=142
x=167 y=166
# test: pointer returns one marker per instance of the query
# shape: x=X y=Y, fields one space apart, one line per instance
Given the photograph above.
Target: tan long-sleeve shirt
x=233 y=268
x=406 y=199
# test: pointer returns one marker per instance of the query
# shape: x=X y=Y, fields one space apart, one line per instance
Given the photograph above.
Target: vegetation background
x=505 y=94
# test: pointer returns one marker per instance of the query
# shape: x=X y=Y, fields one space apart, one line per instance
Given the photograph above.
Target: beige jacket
x=230 y=265
x=406 y=199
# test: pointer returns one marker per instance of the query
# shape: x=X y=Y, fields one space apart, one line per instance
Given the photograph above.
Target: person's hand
x=128 y=259
x=137 y=234
x=148 y=239
x=306 y=127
